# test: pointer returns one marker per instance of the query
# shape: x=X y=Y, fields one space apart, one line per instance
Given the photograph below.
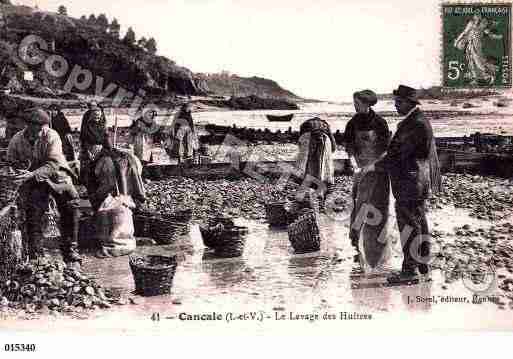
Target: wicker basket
x=181 y=219
x=9 y=191
x=11 y=244
x=166 y=231
x=142 y=225
x=153 y=275
x=277 y=214
x=183 y=215
x=225 y=240
x=304 y=235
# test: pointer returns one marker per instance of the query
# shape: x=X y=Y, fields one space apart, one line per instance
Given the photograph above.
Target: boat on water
x=284 y=118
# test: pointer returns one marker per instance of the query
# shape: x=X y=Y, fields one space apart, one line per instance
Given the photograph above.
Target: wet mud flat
x=471 y=229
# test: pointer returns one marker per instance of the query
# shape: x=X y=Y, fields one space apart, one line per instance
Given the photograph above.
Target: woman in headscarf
x=366 y=139
x=315 y=159
x=183 y=142
x=60 y=123
x=93 y=139
x=141 y=132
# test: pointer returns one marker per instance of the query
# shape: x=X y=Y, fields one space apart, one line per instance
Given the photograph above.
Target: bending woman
x=315 y=160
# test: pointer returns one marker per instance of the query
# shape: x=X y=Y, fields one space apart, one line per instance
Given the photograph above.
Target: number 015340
x=20 y=347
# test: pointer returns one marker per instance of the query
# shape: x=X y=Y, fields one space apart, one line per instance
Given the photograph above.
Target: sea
x=447 y=120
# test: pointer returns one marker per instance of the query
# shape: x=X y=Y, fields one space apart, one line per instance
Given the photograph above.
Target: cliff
x=225 y=84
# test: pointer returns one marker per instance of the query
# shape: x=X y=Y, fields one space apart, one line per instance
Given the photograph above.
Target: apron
x=372 y=190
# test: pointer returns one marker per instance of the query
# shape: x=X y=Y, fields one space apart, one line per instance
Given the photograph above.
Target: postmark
x=476 y=45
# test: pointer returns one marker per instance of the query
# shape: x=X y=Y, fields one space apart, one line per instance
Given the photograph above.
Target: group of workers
x=46 y=143
x=407 y=161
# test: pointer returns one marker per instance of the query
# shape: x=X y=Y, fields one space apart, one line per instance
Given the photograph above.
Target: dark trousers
x=37 y=197
x=414 y=231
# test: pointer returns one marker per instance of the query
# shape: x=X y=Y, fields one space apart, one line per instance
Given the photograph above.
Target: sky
x=323 y=49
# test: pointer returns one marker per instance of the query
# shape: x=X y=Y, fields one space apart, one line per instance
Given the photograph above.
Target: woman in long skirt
x=315 y=160
x=183 y=142
x=366 y=140
x=141 y=133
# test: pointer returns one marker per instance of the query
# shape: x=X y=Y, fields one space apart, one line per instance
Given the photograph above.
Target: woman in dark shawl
x=93 y=139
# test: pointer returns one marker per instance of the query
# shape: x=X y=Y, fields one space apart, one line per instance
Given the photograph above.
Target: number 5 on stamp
x=476 y=45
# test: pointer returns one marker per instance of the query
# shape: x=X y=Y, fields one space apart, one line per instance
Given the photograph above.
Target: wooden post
x=115 y=131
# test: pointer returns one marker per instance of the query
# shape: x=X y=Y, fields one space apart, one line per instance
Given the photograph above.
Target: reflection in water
x=267 y=275
x=307 y=269
x=224 y=272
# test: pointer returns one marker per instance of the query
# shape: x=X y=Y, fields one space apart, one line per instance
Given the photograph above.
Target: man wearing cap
x=412 y=164
x=49 y=174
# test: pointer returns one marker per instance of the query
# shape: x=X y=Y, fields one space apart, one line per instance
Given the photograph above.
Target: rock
x=89 y=290
x=134 y=300
x=4 y=302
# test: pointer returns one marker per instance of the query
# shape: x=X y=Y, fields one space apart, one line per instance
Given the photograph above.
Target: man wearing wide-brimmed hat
x=48 y=175
x=412 y=163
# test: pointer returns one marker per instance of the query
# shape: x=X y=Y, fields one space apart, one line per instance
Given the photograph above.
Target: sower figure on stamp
x=366 y=138
x=49 y=175
x=413 y=166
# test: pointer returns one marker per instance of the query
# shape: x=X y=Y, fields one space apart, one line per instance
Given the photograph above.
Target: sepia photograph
x=217 y=166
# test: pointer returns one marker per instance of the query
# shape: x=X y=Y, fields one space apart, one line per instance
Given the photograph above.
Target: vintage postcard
x=268 y=167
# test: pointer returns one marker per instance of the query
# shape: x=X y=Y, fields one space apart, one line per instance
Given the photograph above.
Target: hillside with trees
x=94 y=42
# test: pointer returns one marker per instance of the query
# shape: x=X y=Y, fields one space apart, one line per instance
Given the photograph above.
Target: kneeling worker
x=48 y=175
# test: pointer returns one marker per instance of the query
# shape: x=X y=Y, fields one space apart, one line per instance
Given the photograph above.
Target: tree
x=129 y=38
x=62 y=10
x=151 y=46
x=142 y=42
x=83 y=18
x=114 y=28
x=102 y=22
x=92 y=19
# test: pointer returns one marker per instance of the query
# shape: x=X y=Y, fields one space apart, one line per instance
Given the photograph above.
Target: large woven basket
x=166 y=231
x=277 y=214
x=11 y=244
x=226 y=241
x=142 y=225
x=153 y=275
x=304 y=234
x=180 y=218
x=9 y=190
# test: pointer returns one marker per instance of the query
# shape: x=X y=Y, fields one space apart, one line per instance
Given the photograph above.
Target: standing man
x=414 y=170
x=49 y=174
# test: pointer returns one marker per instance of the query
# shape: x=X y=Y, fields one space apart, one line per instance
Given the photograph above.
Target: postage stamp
x=476 y=45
